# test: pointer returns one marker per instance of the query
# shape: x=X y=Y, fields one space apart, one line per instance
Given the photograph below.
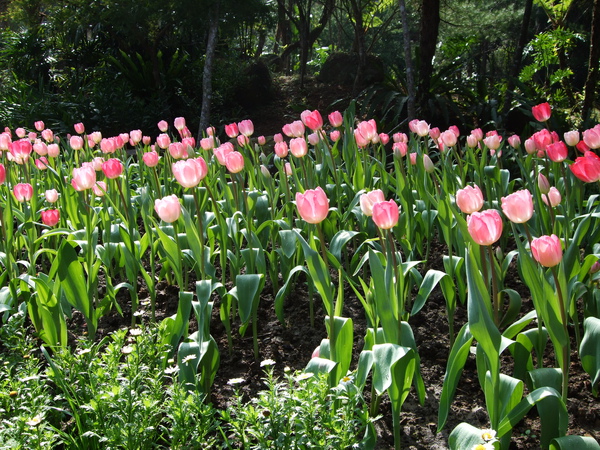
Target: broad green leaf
x=464 y=437
x=430 y=281
x=574 y=442
x=546 y=377
x=344 y=341
x=319 y=366
x=589 y=351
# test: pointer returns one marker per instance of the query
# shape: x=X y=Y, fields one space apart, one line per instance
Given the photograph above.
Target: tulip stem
x=199 y=216
x=332 y=336
x=495 y=293
x=565 y=350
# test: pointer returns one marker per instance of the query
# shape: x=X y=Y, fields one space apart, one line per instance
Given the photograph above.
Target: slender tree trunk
x=211 y=45
x=410 y=79
x=359 y=36
x=430 y=23
x=518 y=55
x=592 y=78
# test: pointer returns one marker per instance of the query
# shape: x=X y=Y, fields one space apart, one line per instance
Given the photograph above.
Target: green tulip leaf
x=589 y=351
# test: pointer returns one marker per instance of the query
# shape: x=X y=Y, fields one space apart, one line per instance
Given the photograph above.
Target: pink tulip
x=386 y=214
x=313 y=205
x=587 y=167
x=542 y=139
x=168 y=208
x=288 y=169
x=96 y=136
x=448 y=138
x=79 y=128
x=434 y=133
x=530 y=146
x=150 y=158
x=400 y=137
x=281 y=149
x=20 y=132
x=361 y=141
x=231 y=130
x=514 y=141
x=207 y=143
x=163 y=140
x=2 y=174
x=163 y=126
x=40 y=148
x=478 y=133
x=369 y=199
x=53 y=150
x=413 y=159
x=222 y=151
x=469 y=199
x=547 y=250
x=76 y=142
x=97 y=163
x=552 y=198
x=298 y=147
x=294 y=129
x=99 y=188
x=472 y=141
x=400 y=149
x=312 y=119
x=51 y=195
x=84 y=177
x=47 y=135
x=179 y=123
x=454 y=129
x=384 y=138
x=23 y=192
x=177 y=150
x=542 y=112
x=113 y=168
x=485 y=227
x=428 y=164
x=190 y=172
x=135 y=136
x=582 y=147
x=234 y=162
x=492 y=140
x=21 y=151
x=50 y=217
x=41 y=163
x=367 y=131
x=262 y=140
x=39 y=125
x=572 y=138
x=210 y=131
x=335 y=135
x=557 y=151
x=335 y=119
x=277 y=137
x=421 y=128
x=108 y=145
x=313 y=139
x=518 y=206
x=543 y=184
x=246 y=127
x=591 y=137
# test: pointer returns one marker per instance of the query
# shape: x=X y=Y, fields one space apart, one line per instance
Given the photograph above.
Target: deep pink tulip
x=384 y=138
x=547 y=250
x=454 y=129
x=150 y=158
x=591 y=137
x=234 y=162
x=163 y=140
x=298 y=147
x=552 y=198
x=557 y=151
x=368 y=199
x=335 y=119
x=582 y=147
x=469 y=199
x=313 y=205
x=542 y=139
x=41 y=163
x=113 y=168
x=587 y=167
x=434 y=133
x=281 y=149
x=312 y=119
x=386 y=214
x=485 y=227
x=518 y=206
x=79 y=128
x=190 y=172
x=168 y=208
x=179 y=123
x=400 y=149
x=23 y=192
x=51 y=195
x=21 y=151
x=542 y=112
x=231 y=130
x=572 y=138
x=2 y=174
x=177 y=150
x=84 y=177
x=246 y=127
x=163 y=126
x=50 y=217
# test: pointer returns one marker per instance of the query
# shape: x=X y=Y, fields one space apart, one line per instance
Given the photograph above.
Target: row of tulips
x=366 y=208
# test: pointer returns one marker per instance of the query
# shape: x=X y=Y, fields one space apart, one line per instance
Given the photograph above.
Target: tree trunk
x=211 y=45
x=359 y=36
x=430 y=22
x=518 y=55
x=410 y=79
x=592 y=78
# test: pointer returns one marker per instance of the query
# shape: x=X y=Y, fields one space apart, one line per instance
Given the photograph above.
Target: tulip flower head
x=298 y=147
x=51 y=195
x=518 y=206
x=79 y=128
x=234 y=162
x=312 y=119
x=231 y=130
x=113 y=168
x=2 y=174
x=552 y=198
x=542 y=112
x=150 y=158
x=369 y=199
x=190 y=172
x=179 y=123
x=246 y=127
x=335 y=119
x=50 y=217
x=386 y=214
x=313 y=205
x=99 y=188
x=557 y=151
x=587 y=167
x=23 y=192
x=591 y=137
x=168 y=208
x=571 y=138
x=469 y=199
x=547 y=250
x=84 y=177
x=485 y=227
x=163 y=126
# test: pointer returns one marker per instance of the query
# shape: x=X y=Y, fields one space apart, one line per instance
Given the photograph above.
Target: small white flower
x=127 y=350
x=488 y=435
x=235 y=381
x=267 y=362
x=84 y=351
x=35 y=421
x=171 y=369
x=135 y=331
x=486 y=446
x=304 y=376
x=188 y=358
